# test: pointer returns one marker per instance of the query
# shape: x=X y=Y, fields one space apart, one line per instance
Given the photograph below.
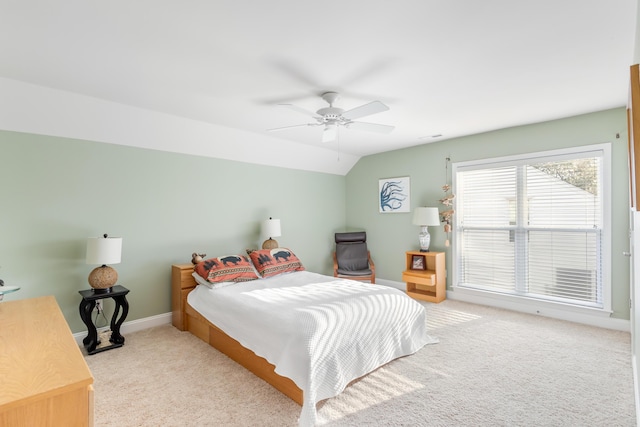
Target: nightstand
x=89 y=297
x=425 y=275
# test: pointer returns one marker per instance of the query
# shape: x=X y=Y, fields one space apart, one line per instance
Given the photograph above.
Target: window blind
x=532 y=227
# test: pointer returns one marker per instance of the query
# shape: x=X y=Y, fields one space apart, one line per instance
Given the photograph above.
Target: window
x=534 y=226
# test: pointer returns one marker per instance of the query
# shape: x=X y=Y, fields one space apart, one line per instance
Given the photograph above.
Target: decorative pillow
x=201 y=281
x=229 y=268
x=271 y=262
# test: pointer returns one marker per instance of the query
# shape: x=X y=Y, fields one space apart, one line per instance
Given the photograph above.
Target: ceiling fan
x=333 y=117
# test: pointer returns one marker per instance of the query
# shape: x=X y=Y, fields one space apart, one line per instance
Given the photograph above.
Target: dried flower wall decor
x=446 y=216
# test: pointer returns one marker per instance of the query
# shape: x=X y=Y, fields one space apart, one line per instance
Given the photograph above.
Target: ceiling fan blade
x=330 y=133
x=370 y=127
x=301 y=110
x=291 y=127
x=365 y=110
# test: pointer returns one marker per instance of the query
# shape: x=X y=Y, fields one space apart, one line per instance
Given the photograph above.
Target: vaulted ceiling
x=447 y=68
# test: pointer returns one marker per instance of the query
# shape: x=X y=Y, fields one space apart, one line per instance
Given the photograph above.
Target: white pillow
x=201 y=281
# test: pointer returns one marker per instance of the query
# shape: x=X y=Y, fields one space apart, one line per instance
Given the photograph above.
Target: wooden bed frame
x=186 y=318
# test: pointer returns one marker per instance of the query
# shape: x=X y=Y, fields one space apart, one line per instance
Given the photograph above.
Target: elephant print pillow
x=228 y=268
x=271 y=262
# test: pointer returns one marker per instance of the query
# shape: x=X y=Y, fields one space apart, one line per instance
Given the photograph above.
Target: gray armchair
x=352 y=260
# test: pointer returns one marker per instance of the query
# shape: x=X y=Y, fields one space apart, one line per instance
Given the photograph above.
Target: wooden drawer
x=183 y=272
x=422 y=278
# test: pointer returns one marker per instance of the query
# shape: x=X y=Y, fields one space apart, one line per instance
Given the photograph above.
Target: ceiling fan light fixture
x=330 y=132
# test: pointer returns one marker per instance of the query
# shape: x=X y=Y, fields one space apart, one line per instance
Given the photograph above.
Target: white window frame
x=555 y=309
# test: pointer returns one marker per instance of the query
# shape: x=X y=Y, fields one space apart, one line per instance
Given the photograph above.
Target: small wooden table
x=425 y=276
x=88 y=303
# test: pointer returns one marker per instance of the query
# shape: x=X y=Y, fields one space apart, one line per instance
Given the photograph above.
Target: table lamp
x=425 y=217
x=103 y=250
x=271 y=228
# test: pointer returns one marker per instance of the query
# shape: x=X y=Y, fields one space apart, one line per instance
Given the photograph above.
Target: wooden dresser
x=44 y=379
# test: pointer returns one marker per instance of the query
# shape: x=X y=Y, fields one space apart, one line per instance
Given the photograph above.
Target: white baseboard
x=133 y=326
x=571 y=314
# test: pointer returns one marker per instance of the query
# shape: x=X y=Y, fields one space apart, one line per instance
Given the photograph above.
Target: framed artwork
x=418 y=262
x=394 y=195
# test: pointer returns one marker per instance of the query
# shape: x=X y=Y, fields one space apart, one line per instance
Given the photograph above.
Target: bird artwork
x=448 y=201
x=446 y=218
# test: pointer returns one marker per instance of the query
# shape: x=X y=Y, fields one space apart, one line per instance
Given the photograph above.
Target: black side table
x=88 y=303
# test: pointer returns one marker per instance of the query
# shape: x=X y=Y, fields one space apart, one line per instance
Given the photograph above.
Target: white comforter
x=320 y=332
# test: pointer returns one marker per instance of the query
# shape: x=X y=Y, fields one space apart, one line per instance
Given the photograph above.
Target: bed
x=306 y=334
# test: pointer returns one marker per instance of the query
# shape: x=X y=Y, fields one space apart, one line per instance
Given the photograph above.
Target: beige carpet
x=491 y=368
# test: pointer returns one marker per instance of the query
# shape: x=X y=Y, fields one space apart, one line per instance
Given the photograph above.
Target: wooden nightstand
x=425 y=275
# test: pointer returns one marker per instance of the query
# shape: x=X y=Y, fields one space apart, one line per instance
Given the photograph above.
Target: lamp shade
x=104 y=250
x=271 y=228
x=426 y=216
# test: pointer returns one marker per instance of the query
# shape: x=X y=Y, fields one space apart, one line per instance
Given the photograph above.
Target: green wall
x=56 y=192
x=390 y=235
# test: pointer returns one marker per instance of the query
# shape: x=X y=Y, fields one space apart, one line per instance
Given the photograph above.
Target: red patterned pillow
x=230 y=268
x=271 y=262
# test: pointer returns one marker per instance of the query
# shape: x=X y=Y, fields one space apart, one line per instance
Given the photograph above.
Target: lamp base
x=425 y=239
x=270 y=244
x=103 y=278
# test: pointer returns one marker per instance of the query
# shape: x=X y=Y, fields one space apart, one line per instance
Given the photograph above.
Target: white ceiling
x=447 y=68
